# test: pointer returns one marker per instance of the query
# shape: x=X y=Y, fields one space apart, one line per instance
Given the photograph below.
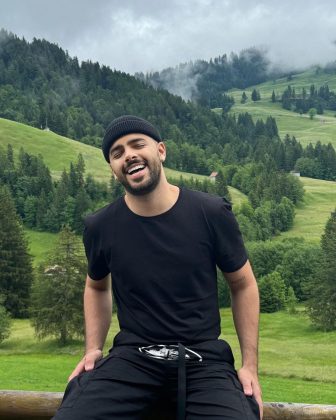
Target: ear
x=162 y=151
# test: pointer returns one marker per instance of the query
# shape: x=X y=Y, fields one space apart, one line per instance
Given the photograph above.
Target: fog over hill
x=152 y=35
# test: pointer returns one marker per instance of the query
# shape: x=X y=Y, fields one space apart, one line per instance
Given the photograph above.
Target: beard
x=144 y=187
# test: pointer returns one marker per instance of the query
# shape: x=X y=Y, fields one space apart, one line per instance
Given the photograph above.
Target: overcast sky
x=147 y=35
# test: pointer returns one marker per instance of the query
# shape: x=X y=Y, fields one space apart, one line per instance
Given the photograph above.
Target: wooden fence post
x=31 y=405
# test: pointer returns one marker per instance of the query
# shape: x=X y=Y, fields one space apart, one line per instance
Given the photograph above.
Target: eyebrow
x=119 y=146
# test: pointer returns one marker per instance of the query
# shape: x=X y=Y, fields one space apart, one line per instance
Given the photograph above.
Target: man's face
x=136 y=161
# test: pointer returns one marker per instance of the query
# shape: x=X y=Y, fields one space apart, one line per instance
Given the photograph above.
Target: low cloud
x=151 y=35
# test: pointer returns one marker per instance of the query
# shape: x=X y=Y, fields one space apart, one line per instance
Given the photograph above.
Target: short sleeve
x=231 y=254
x=97 y=266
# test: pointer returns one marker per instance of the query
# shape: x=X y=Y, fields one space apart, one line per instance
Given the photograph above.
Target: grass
x=312 y=215
x=322 y=127
x=57 y=151
x=297 y=363
x=40 y=244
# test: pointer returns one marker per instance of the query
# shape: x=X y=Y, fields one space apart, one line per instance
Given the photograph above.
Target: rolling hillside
x=58 y=152
x=322 y=127
x=311 y=216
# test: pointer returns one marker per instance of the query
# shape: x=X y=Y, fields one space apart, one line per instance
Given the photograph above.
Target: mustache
x=133 y=162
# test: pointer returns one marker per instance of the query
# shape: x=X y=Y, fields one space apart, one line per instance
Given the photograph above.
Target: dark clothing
x=163 y=268
x=128 y=385
x=164 y=280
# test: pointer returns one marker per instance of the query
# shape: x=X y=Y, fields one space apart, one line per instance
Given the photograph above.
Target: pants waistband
x=169 y=352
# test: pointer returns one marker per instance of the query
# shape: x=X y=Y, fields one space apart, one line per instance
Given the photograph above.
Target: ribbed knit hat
x=127 y=124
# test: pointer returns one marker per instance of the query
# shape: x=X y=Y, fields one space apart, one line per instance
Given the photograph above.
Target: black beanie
x=127 y=124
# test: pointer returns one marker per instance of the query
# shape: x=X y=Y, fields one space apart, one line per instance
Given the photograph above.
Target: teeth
x=135 y=168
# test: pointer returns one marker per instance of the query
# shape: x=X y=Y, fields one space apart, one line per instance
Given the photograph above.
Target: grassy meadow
x=322 y=127
x=311 y=215
x=297 y=363
x=57 y=151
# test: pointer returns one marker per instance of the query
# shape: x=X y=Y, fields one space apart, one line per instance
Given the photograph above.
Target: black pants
x=131 y=385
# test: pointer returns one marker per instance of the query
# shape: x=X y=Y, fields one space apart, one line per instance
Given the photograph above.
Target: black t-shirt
x=163 y=267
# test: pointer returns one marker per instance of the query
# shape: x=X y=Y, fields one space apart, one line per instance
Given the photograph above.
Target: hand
x=250 y=383
x=87 y=363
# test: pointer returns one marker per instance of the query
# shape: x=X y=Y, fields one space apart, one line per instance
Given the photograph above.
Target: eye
x=116 y=155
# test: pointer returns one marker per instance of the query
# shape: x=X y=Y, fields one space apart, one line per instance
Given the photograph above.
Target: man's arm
x=245 y=310
x=98 y=312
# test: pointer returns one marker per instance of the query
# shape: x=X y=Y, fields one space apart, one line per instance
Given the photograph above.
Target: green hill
x=311 y=216
x=322 y=127
x=58 y=151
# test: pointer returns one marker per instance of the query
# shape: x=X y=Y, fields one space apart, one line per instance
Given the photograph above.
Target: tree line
x=208 y=80
x=248 y=141
x=302 y=101
x=43 y=203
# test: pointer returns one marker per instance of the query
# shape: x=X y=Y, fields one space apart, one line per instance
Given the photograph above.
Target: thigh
x=118 y=388
x=214 y=392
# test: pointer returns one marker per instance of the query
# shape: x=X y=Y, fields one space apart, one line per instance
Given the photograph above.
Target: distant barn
x=213 y=176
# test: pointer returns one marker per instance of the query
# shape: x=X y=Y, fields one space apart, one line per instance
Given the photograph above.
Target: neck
x=154 y=203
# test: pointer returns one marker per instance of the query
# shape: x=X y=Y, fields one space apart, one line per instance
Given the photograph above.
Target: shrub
x=272 y=291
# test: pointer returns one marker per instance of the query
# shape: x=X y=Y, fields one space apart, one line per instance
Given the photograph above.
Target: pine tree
x=42 y=206
x=57 y=293
x=273 y=97
x=58 y=206
x=16 y=273
x=80 y=168
x=221 y=186
x=10 y=156
x=73 y=180
x=243 y=98
x=322 y=304
x=5 y=322
x=82 y=204
x=254 y=95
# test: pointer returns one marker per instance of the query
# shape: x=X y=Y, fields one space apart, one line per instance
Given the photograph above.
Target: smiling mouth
x=136 y=168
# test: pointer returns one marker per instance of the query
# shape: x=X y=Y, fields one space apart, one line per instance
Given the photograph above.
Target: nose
x=130 y=154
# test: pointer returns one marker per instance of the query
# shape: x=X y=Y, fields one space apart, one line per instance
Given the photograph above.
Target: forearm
x=245 y=310
x=98 y=312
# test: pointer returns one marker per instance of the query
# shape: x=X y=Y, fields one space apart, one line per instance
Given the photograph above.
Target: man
x=161 y=245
